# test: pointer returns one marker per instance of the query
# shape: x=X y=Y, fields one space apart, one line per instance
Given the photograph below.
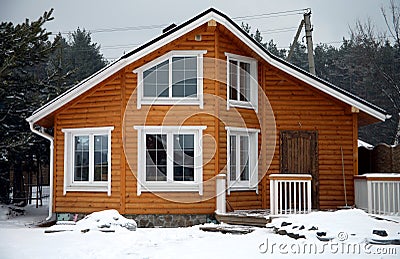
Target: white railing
x=290 y=193
x=378 y=193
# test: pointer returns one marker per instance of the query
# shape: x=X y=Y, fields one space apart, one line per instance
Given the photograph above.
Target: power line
x=119 y=29
x=270 y=15
x=160 y=26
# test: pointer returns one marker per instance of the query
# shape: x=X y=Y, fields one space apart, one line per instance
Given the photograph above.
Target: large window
x=87 y=163
x=174 y=78
x=169 y=158
x=242 y=85
x=242 y=158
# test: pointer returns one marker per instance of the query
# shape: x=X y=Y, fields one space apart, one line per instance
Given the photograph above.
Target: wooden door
x=299 y=155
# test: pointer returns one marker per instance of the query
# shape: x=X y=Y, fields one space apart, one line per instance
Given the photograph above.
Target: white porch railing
x=290 y=193
x=378 y=193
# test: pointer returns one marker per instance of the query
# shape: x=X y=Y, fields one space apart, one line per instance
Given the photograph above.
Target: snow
x=102 y=220
x=381 y=175
x=348 y=228
x=362 y=143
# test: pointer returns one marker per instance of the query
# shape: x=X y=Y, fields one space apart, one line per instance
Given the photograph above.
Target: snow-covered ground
x=347 y=230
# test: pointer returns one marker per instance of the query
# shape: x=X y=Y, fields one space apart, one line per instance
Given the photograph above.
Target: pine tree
x=24 y=50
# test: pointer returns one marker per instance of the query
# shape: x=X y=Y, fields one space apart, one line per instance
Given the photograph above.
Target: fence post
x=309 y=204
x=221 y=193
x=272 y=197
x=369 y=193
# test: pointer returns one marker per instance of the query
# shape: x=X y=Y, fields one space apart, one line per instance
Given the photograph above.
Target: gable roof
x=176 y=32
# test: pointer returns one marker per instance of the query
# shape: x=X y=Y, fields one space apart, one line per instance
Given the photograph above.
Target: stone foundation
x=169 y=220
x=153 y=220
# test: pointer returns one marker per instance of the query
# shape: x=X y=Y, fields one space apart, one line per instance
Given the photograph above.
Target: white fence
x=378 y=193
x=290 y=193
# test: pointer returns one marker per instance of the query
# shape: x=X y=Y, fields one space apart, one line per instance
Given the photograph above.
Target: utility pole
x=308 y=29
x=306 y=22
x=296 y=38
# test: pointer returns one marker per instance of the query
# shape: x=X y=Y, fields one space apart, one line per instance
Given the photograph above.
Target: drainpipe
x=51 y=139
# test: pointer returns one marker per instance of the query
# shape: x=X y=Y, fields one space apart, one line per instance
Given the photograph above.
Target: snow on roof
x=362 y=143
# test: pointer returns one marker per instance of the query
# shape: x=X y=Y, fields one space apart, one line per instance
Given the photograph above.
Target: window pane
x=233 y=83
x=162 y=90
x=81 y=158
x=151 y=173
x=178 y=90
x=156 y=157
x=156 y=80
x=191 y=87
x=178 y=76
x=178 y=63
x=233 y=158
x=191 y=63
x=188 y=174
x=183 y=157
x=184 y=76
x=161 y=173
x=244 y=81
x=178 y=173
x=149 y=82
x=100 y=158
x=244 y=158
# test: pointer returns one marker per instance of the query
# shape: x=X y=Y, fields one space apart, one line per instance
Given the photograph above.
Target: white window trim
x=141 y=100
x=253 y=103
x=170 y=185
x=252 y=183
x=90 y=186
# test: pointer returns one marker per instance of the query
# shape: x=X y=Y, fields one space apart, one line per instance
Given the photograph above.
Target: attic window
x=242 y=83
x=175 y=78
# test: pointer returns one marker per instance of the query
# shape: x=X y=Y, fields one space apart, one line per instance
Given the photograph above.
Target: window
x=242 y=85
x=174 y=78
x=242 y=154
x=87 y=159
x=170 y=158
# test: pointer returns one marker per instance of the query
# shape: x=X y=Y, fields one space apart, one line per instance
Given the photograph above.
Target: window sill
x=171 y=101
x=238 y=188
x=88 y=188
x=171 y=187
x=240 y=104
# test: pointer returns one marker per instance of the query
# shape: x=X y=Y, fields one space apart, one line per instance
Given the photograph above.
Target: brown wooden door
x=299 y=155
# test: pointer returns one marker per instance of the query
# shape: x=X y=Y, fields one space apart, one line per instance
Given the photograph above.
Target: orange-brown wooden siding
x=296 y=106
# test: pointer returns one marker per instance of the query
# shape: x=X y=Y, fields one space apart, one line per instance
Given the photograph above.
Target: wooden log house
x=148 y=134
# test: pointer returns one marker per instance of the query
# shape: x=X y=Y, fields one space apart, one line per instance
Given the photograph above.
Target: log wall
x=295 y=107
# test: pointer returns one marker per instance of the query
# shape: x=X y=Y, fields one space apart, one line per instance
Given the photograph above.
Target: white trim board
x=210 y=14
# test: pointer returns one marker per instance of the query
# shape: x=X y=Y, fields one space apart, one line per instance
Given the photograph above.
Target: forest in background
x=367 y=64
x=34 y=69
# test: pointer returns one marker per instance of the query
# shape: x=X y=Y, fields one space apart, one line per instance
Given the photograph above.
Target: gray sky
x=331 y=18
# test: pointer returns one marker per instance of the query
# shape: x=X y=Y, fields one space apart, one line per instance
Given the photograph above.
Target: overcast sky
x=330 y=18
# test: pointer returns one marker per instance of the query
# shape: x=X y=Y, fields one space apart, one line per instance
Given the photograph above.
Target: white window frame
x=69 y=149
x=253 y=102
x=142 y=100
x=170 y=185
x=252 y=183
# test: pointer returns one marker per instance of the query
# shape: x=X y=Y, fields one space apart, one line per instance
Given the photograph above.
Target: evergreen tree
x=76 y=58
x=24 y=51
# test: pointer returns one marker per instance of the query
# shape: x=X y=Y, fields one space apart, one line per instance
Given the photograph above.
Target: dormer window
x=175 y=78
